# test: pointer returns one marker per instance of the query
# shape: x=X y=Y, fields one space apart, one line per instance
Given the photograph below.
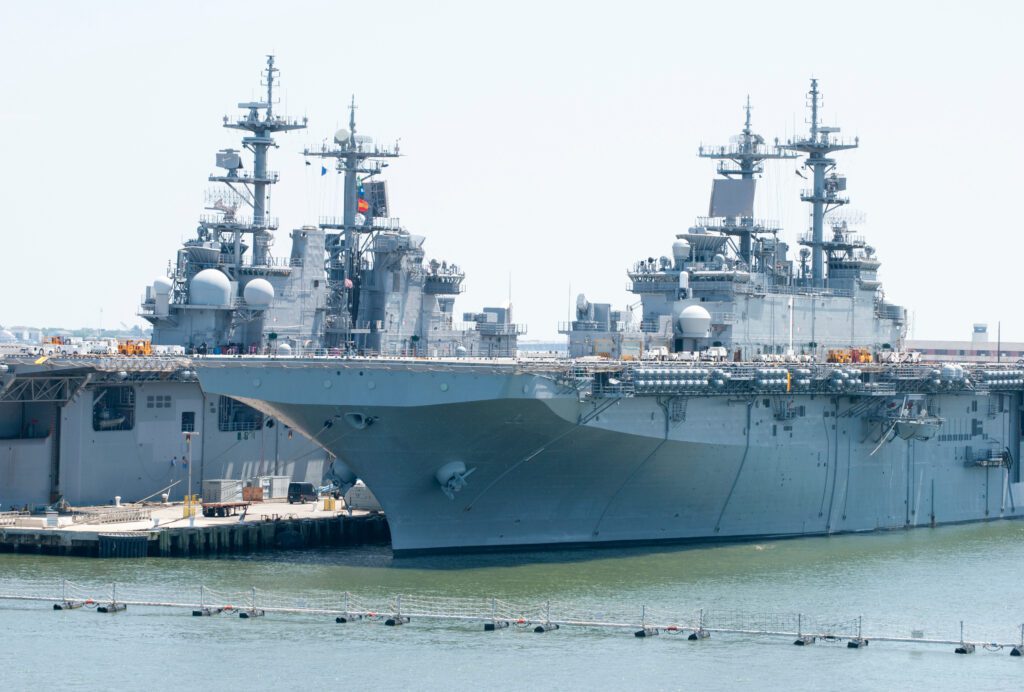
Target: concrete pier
x=163 y=531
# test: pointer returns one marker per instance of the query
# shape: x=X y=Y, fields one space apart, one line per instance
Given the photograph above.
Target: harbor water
x=927 y=580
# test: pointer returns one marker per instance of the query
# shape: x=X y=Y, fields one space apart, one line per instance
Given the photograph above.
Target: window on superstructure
x=188 y=421
x=158 y=401
x=234 y=416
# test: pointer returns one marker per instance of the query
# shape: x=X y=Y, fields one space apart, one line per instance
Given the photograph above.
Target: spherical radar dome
x=209 y=287
x=258 y=293
x=695 y=322
x=161 y=286
x=680 y=250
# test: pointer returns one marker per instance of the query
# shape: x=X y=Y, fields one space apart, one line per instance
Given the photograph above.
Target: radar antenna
x=742 y=159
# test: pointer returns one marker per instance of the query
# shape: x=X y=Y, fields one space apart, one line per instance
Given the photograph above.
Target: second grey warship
x=86 y=427
x=760 y=395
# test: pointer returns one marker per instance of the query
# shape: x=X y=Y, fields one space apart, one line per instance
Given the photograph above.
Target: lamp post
x=188 y=461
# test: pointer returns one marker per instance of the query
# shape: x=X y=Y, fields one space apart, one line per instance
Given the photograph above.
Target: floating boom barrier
x=495 y=614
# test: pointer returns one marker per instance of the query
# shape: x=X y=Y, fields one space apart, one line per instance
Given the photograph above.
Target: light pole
x=188 y=462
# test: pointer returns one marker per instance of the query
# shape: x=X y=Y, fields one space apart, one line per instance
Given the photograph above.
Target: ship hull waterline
x=549 y=470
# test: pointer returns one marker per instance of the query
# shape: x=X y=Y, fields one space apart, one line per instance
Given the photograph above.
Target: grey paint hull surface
x=550 y=469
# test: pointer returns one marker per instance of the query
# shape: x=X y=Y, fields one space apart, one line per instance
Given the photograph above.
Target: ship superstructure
x=724 y=416
x=86 y=428
x=730 y=289
x=383 y=297
x=226 y=292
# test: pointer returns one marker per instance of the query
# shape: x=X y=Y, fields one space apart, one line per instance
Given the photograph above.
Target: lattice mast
x=251 y=187
x=824 y=197
x=744 y=159
x=359 y=159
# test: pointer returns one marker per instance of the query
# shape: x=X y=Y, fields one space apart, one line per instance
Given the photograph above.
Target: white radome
x=209 y=287
x=258 y=293
x=681 y=250
x=695 y=322
x=162 y=286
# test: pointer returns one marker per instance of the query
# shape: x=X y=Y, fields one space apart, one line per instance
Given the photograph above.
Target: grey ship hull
x=550 y=469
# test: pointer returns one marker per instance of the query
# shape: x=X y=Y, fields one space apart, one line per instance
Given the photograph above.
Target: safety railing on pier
x=494 y=613
x=9 y=518
x=112 y=516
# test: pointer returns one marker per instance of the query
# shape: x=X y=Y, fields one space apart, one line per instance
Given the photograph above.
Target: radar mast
x=743 y=159
x=250 y=187
x=359 y=159
x=824 y=196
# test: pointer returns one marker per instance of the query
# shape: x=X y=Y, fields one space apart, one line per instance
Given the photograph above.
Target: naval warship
x=89 y=427
x=762 y=394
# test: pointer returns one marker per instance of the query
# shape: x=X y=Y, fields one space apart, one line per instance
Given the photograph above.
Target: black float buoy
x=111 y=608
x=206 y=611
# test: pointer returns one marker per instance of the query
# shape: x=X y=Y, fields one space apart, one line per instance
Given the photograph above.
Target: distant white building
x=980 y=349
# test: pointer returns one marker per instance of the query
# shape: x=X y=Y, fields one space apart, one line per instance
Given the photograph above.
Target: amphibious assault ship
x=760 y=395
x=88 y=428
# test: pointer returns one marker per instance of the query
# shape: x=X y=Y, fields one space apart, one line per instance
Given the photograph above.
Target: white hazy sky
x=554 y=141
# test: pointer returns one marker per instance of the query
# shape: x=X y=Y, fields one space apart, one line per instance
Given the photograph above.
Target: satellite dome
x=341 y=137
x=284 y=350
x=695 y=322
x=680 y=250
x=162 y=286
x=258 y=293
x=209 y=287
